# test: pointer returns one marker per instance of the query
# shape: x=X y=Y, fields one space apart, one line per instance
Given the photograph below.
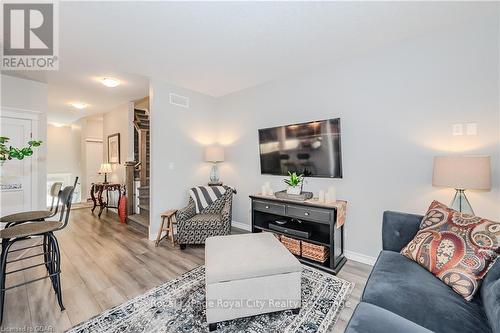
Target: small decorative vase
x=293 y=190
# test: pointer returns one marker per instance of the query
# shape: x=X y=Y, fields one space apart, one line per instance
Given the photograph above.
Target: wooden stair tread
x=139 y=219
x=145 y=207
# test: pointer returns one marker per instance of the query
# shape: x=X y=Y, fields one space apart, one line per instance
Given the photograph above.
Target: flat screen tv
x=312 y=149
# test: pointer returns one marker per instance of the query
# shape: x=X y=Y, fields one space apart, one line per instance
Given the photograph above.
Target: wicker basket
x=315 y=252
x=293 y=245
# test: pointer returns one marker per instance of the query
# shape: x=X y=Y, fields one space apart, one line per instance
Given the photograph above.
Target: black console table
x=317 y=218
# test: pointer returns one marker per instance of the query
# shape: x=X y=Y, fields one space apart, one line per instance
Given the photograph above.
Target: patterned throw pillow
x=457 y=248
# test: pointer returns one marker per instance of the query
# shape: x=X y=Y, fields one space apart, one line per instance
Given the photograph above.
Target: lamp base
x=460 y=203
x=214 y=174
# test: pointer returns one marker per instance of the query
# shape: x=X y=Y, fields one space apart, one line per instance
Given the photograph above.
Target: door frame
x=34 y=116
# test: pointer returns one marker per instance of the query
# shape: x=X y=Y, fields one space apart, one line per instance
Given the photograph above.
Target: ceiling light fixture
x=79 y=106
x=110 y=82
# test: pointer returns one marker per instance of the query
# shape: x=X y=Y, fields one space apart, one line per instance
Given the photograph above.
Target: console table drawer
x=269 y=207
x=315 y=214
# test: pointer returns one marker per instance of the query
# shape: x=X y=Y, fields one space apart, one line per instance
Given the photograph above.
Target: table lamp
x=462 y=173
x=214 y=154
x=105 y=169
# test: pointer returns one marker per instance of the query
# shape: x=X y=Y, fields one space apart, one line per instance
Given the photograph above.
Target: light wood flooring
x=105 y=263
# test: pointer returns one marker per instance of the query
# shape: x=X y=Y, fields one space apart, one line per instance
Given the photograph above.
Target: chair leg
x=46 y=256
x=158 y=237
x=182 y=246
x=57 y=267
x=3 y=268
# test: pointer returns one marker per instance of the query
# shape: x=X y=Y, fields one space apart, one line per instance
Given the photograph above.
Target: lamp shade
x=105 y=168
x=462 y=172
x=214 y=154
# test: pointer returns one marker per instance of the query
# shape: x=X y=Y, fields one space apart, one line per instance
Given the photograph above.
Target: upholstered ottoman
x=247 y=275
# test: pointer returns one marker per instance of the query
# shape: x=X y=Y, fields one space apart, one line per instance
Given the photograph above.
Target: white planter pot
x=293 y=190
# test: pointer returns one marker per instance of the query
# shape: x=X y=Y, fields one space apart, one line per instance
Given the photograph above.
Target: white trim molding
x=359 y=257
x=241 y=225
x=18 y=113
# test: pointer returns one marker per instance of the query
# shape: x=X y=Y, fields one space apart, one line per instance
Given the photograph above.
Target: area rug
x=179 y=306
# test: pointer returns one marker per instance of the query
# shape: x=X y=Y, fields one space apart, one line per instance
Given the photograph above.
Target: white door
x=93 y=160
x=15 y=175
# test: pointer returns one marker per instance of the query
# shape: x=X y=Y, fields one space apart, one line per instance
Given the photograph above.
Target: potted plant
x=17 y=153
x=294 y=183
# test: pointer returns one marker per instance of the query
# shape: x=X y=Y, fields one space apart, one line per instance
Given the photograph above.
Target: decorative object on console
x=214 y=154
x=298 y=197
x=105 y=169
x=114 y=148
x=457 y=248
x=321 y=196
x=332 y=194
x=462 y=173
x=295 y=183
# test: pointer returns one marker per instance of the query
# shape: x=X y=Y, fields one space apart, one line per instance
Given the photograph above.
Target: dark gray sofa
x=402 y=296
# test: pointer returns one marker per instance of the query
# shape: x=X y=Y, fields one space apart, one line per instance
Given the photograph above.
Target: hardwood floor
x=105 y=263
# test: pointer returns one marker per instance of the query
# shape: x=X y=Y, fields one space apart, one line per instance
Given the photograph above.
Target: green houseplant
x=8 y=153
x=294 y=183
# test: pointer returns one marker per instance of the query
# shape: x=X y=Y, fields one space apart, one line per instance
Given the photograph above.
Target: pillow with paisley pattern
x=457 y=248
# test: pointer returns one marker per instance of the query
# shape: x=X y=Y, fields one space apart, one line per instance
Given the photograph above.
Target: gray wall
x=397 y=106
x=178 y=136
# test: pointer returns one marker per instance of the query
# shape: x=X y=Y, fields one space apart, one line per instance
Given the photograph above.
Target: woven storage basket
x=293 y=245
x=315 y=252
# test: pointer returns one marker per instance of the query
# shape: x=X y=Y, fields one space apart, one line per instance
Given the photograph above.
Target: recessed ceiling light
x=110 y=82
x=79 y=106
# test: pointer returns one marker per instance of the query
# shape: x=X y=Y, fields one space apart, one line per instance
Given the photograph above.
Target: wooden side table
x=169 y=215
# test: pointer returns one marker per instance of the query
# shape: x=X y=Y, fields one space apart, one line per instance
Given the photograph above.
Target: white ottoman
x=247 y=275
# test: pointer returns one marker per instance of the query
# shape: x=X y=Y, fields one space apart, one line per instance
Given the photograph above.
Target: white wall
x=396 y=106
x=178 y=136
x=30 y=97
x=119 y=120
x=88 y=128
x=64 y=150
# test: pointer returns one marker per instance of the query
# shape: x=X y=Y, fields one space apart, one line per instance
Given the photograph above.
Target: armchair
x=214 y=220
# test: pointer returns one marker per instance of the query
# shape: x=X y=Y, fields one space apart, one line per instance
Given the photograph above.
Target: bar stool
x=36 y=215
x=51 y=252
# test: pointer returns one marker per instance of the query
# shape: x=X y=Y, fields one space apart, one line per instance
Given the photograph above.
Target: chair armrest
x=226 y=210
x=398 y=229
x=186 y=213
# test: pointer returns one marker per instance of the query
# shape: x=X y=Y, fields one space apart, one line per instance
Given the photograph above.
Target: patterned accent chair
x=214 y=220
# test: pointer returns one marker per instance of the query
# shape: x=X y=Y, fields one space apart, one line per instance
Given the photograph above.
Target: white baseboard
x=242 y=226
x=362 y=258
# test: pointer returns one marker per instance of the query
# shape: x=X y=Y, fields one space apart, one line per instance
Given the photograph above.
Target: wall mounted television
x=312 y=149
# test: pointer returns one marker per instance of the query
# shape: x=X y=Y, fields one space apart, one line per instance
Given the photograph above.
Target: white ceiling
x=220 y=47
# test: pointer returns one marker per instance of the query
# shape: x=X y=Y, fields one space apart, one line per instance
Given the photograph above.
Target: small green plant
x=294 y=180
x=17 y=153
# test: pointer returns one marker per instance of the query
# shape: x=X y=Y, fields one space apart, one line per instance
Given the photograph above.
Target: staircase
x=141 y=171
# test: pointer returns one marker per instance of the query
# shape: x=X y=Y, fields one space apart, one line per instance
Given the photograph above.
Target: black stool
x=50 y=246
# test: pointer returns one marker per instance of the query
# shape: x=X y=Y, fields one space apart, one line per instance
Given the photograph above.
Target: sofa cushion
x=490 y=295
x=409 y=290
x=458 y=248
x=236 y=257
x=369 y=318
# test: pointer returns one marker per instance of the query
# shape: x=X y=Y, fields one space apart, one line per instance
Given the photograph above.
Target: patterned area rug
x=179 y=306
